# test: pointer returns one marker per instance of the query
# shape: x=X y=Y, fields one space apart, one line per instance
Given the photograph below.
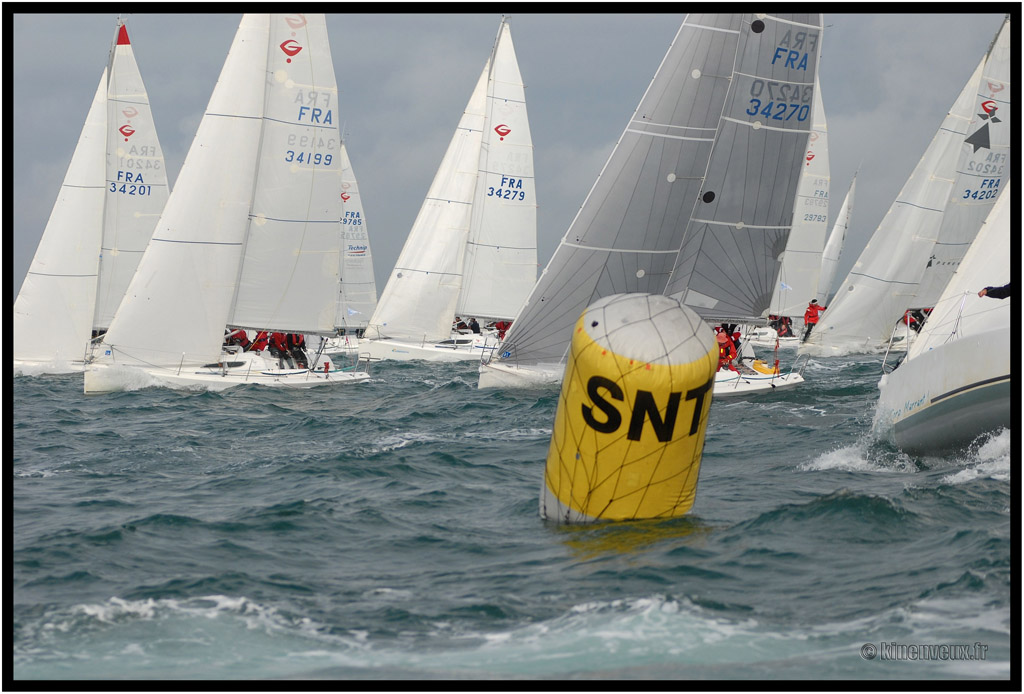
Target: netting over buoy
x=629 y=427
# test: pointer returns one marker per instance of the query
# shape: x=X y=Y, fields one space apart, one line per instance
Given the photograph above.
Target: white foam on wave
x=990 y=460
x=508 y=434
x=229 y=636
x=46 y=369
x=860 y=457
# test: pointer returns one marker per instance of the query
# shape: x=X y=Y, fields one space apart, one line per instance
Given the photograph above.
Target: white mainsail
x=983 y=166
x=359 y=297
x=472 y=247
x=834 y=245
x=700 y=186
x=250 y=236
x=108 y=206
x=801 y=261
x=885 y=281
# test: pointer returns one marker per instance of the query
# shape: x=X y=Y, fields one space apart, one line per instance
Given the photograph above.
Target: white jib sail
x=136 y=189
x=177 y=304
x=959 y=311
x=53 y=313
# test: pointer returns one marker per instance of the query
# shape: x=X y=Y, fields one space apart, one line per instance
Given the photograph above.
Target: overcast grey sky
x=887 y=81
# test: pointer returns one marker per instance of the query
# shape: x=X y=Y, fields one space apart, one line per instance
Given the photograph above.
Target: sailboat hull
x=472 y=349
x=499 y=374
x=767 y=337
x=234 y=370
x=752 y=380
x=943 y=399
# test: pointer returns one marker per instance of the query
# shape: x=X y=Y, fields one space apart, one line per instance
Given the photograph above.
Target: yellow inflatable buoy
x=629 y=427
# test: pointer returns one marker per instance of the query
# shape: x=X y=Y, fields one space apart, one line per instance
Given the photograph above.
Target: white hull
x=236 y=370
x=498 y=374
x=766 y=337
x=450 y=350
x=753 y=380
x=943 y=399
x=503 y=375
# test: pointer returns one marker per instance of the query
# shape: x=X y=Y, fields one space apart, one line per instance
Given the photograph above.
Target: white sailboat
x=472 y=251
x=109 y=203
x=960 y=172
x=801 y=261
x=359 y=298
x=954 y=383
x=250 y=236
x=696 y=199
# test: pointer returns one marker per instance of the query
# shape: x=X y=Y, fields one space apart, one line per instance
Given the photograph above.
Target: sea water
x=390 y=531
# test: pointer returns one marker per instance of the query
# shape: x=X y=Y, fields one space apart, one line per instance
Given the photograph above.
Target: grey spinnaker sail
x=730 y=105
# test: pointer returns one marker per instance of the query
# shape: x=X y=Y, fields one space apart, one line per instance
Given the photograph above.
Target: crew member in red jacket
x=260 y=342
x=279 y=349
x=811 y=316
x=726 y=352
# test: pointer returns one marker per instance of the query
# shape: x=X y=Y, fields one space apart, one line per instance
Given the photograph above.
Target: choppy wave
x=391 y=531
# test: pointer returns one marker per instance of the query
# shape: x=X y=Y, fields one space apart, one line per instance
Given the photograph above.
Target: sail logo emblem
x=345 y=197
x=995 y=87
x=130 y=112
x=296 y=21
x=981 y=139
x=810 y=156
x=127 y=131
x=502 y=131
x=290 y=49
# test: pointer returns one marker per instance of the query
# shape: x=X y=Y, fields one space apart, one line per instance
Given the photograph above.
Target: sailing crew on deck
x=811 y=316
x=474 y=326
x=237 y=337
x=726 y=352
x=502 y=327
x=260 y=342
x=279 y=349
x=297 y=349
